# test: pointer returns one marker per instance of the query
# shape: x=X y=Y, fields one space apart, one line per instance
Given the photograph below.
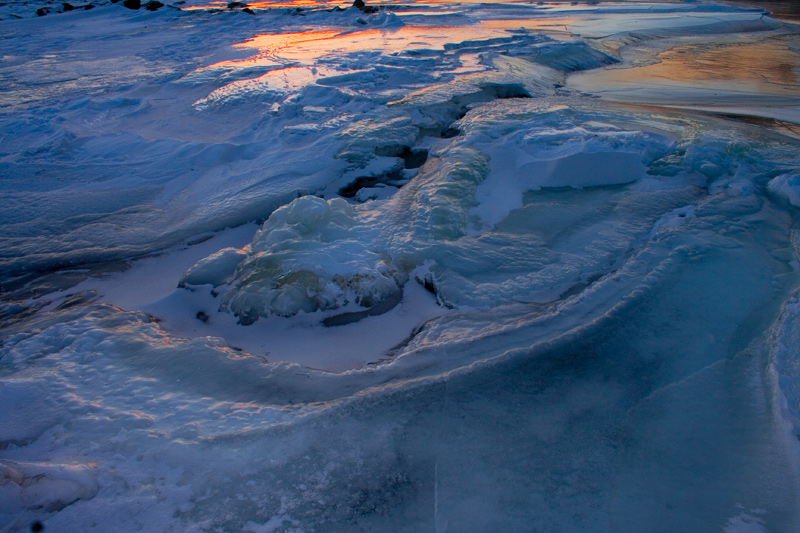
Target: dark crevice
x=460 y=105
x=504 y=92
x=449 y=133
x=393 y=178
x=412 y=159
x=378 y=309
x=430 y=287
x=454 y=110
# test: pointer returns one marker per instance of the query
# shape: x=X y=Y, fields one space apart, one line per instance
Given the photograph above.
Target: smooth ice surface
x=502 y=266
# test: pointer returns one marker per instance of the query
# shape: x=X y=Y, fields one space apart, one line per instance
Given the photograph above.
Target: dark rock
x=153 y=5
x=132 y=4
x=87 y=7
x=359 y=4
x=201 y=316
x=236 y=5
x=248 y=10
x=67 y=7
x=41 y=12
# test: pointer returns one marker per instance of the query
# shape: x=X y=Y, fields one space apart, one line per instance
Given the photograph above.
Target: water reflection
x=786 y=10
x=769 y=66
x=749 y=70
x=308 y=47
x=298 y=58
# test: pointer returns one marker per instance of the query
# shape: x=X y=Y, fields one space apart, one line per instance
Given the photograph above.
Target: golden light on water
x=298 y=58
x=769 y=65
x=306 y=47
x=765 y=68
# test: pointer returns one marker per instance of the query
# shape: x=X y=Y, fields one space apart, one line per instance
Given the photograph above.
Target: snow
x=466 y=266
x=786 y=186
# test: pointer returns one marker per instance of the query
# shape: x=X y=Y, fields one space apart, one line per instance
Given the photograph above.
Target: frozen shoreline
x=453 y=266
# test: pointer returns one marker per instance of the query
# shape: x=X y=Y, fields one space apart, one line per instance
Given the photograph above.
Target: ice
x=745 y=523
x=26 y=411
x=310 y=255
x=553 y=150
x=45 y=486
x=216 y=269
x=440 y=266
x=788 y=187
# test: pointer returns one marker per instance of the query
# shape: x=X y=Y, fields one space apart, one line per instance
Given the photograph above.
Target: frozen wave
x=318 y=255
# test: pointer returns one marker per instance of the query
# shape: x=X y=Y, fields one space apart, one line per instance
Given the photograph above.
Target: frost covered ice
x=429 y=267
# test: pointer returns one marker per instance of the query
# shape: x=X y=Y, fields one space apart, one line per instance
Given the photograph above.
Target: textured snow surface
x=437 y=267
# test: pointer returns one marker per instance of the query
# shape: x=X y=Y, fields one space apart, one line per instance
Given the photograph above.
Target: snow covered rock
x=49 y=487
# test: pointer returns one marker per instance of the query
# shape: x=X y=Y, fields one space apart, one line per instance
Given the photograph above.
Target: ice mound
x=44 y=486
x=788 y=187
x=216 y=269
x=310 y=255
x=571 y=56
x=370 y=136
x=556 y=148
x=510 y=77
x=318 y=255
x=483 y=212
x=384 y=19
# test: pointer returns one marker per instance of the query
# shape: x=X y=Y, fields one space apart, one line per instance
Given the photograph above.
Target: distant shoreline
x=786 y=10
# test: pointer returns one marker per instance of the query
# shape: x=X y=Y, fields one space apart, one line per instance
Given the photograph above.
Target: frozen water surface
x=436 y=266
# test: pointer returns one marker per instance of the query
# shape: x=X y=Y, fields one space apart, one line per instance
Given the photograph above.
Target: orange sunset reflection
x=308 y=47
x=754 y=69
